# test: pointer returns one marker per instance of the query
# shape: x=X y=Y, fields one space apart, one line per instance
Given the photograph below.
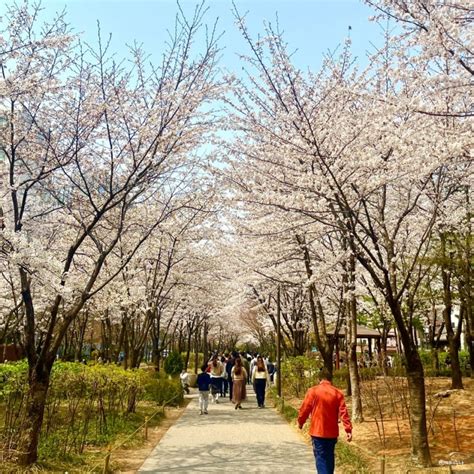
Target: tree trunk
x=416 y=387
x=355 y=380
x=205 y=343
x=132 y=400
x=456 y=374
x=453 y=338
x=197 y=338
x=82 y=333
x=188 y=346
x=352 y=349
x=348 y=377
x=134 y=358
x=435 y=353
x=155 y=337
x=38 y=380
x=317 y=314
x=470 y=344
x=383 y=351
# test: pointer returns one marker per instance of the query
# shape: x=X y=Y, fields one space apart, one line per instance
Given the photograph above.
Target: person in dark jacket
x=203 y=383
x=228 y=368
x=246 y=364
x=225 y=381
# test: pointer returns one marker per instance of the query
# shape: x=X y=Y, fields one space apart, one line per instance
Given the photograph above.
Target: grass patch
x=348 y=457
x=52 y=461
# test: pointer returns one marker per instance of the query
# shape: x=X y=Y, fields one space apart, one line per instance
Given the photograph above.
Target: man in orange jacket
x=326 y=405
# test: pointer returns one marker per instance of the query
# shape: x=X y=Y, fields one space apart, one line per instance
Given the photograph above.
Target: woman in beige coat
x=239 y=379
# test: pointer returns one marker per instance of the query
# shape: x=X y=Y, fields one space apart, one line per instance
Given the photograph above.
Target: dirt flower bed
x=386 y=430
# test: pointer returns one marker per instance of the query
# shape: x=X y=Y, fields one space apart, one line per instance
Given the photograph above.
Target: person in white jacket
x=260 y=378
x=184 y=377
x=217 y=378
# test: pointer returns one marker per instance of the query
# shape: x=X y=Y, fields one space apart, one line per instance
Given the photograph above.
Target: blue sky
x=311 y=26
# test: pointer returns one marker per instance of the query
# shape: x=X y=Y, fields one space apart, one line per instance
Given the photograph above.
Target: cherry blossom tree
x=90 y=142
x=359 y=155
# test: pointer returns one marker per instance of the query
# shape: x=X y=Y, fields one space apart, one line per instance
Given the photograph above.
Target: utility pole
x=278 y=348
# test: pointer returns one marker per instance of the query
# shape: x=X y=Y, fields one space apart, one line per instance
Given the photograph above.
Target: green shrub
x=428 y=361
x=464 y=361
x=369 y=373
x=163 y=389
x=339 y=377
x=174 y=363
x=299 y=374
x=86 y=404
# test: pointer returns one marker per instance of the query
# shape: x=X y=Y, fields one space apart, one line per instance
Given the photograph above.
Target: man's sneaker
x=201 y=412
x=205 y=412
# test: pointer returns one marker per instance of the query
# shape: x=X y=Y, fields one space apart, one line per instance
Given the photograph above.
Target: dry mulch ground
x=451 y=435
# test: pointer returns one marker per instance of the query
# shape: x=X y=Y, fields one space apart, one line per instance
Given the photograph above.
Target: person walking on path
x=253 y=362
x=217 y=377
x=225 y=379
x=184 y=377
x=228 y=368
x=326 y=405
x=239 y=378
x=260 y=378
x=203 y=383
x=271 y=369
x=246 y=365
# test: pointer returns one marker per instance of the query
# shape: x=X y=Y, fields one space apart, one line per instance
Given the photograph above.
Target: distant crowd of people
x=324 y=404
x=228 y=375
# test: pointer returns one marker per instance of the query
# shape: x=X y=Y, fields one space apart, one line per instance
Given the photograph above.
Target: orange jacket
x=325 y=403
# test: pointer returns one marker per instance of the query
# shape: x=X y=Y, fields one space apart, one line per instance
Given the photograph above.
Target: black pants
x=216 y=383
x=260 y=385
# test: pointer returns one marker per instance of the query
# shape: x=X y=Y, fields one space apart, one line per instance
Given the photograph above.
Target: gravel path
x=229 y=440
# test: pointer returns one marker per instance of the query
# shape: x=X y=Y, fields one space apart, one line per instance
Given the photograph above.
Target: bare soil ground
x=450 y=421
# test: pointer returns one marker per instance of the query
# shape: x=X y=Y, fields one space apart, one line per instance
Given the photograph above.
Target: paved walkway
x=232 y=441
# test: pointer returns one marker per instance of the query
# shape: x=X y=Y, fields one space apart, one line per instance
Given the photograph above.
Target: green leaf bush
x=299 y=374
x=174 y=363
x=161 y=389
x=86 y=404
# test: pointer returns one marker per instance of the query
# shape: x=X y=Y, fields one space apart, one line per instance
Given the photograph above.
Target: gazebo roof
x=362 y=331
